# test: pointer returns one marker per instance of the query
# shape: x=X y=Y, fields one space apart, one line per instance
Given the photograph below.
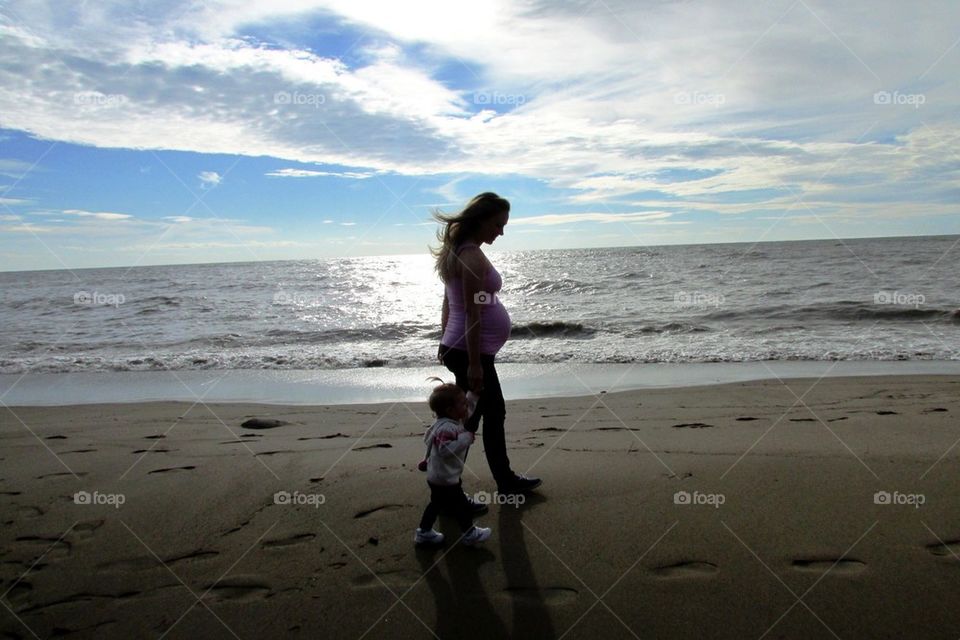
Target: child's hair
x=443 y=397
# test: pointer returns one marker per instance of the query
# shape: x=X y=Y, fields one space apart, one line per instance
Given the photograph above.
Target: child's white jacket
x=447 y=444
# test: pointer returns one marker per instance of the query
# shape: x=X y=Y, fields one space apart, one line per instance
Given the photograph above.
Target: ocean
x=826 y=300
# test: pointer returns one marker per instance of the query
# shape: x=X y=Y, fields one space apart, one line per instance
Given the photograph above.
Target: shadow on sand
x=464 y=609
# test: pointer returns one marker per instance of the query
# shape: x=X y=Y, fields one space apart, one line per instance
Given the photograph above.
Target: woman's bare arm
x=444 y=316
x=444 y=313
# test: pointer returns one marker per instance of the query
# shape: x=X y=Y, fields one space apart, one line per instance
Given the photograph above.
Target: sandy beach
x=802 y=508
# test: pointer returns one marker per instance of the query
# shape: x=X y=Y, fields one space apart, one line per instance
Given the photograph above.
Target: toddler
x=447 y=444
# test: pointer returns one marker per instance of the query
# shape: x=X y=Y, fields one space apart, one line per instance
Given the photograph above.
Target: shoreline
x=386 y=384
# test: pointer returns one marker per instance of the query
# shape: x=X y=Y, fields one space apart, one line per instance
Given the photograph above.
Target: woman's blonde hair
x=457 y=228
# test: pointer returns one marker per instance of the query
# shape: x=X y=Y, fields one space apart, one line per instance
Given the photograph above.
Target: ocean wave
x=551 y=330
x=847 y=311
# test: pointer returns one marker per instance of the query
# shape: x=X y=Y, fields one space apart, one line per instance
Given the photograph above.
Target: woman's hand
x=475 y=377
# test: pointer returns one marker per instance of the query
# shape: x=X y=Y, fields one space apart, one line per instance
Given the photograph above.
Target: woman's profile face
x=492 y=227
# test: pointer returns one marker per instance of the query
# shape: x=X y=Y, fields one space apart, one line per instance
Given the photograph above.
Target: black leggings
x=490 y=407
x=447 y=500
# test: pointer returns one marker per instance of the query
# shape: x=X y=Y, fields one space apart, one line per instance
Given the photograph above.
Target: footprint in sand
x=385 y=507
x=381 y=445
x=950 y=548
x=263 y=423
x=171 y=469
x=746 y=419
x=935 y=410
x=51 y=547
x=693 y=425
x=534 y=595
x=157 y=437
x=86 y=529
x=842 y=566
x=887 y=413
x=686 y=569
x=19 y=592
x=238 y=588
x=56 y=437
x=400 y=578
x=79 y=474
x=276 y=543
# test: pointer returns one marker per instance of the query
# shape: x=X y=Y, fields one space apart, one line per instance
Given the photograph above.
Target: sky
x=151 y=132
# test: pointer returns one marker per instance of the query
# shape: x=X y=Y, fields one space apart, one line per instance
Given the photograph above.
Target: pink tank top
x=494 y=319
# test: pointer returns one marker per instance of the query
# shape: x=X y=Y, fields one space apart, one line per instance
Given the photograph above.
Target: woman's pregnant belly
x=494 y=328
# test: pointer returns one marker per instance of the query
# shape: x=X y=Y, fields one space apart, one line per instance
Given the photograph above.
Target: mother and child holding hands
x=475 y=326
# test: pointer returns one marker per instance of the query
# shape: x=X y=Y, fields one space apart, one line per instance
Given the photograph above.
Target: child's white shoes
x=476 y=535
x=428 y=537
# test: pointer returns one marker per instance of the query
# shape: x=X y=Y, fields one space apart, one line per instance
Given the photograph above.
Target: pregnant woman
x=475 y=324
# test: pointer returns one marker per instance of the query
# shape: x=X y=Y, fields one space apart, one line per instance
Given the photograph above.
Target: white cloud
x=101 y=215
x=599 y=217
x=307 y=173
x=607 y=102
x=209 y=178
